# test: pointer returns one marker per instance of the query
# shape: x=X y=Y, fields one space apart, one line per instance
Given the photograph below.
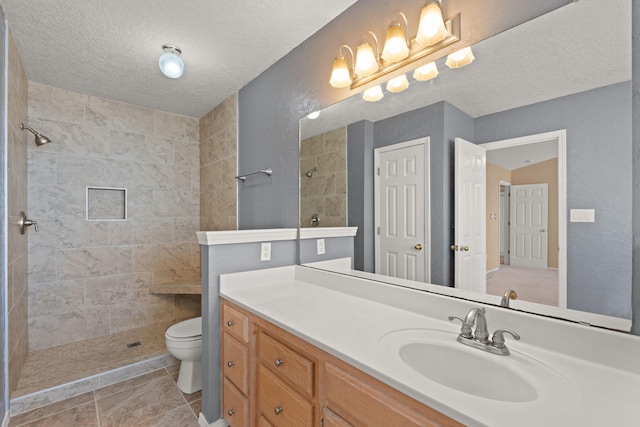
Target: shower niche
x=106 y=204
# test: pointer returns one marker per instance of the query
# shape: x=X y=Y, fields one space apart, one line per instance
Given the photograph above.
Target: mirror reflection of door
x=402 y=246
x=525 y=218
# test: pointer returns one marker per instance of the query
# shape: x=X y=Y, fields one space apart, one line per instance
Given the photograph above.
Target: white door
x=529 y=225
x=504 y=224
x=402 y=247
x=470 y=245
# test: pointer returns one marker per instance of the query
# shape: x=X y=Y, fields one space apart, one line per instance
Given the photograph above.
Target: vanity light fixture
x=431 y=29
x=396 y=46
x=460 y=58
x=373 y=94
x=399 y=51
x=426 y=72
x=170 y=62
x=341 y=75
x=314 y=115
x=366 y=59
x=398 y=84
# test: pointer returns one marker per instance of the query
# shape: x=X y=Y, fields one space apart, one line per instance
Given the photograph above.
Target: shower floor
x=55 y=366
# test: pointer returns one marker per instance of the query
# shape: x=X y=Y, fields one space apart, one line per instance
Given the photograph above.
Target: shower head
x=310 y=173
x=39 y=138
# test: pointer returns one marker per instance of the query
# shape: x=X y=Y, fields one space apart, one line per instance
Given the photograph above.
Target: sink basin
x=438 y=358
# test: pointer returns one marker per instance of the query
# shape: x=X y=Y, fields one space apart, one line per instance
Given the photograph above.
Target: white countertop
x=347 y=317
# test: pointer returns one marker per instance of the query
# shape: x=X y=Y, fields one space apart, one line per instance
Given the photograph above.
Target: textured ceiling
x=111 y=48
x=582 y=46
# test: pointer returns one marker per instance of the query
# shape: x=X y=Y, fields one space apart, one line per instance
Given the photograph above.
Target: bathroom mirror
x=565 y=73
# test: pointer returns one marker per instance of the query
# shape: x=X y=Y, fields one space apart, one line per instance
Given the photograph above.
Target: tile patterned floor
x=150 y=400
x=60 y=365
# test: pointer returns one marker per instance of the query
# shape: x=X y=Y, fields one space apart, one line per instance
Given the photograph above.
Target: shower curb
x=38 y=399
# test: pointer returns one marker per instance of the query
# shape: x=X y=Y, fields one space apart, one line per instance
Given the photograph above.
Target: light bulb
x=398 y=84
x=426 y=72
x=460 y=58
x=366 y=62
x=340 y=76
x=431 y=29
x=373 y=94
x=170 y=62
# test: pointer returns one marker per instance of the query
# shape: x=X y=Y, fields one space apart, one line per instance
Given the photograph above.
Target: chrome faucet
x=508 y=294
x=480 y=338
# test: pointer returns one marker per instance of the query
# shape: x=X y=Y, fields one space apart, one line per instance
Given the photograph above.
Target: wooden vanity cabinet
x=291 y=383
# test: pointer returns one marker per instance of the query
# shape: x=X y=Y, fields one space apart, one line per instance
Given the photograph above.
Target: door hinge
x=378 y=171
x=378 y=230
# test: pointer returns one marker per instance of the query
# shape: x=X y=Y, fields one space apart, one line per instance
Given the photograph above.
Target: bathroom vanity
x=303 y=347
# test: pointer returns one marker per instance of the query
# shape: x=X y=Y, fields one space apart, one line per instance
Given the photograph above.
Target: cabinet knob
x=278 y=362
x=278 y=410
x=230 y=363
x=230 y=323
x=231 y=412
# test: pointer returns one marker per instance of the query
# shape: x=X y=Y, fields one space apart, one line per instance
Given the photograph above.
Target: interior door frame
x=507 y=185
x=426 y=142
x=561 y=137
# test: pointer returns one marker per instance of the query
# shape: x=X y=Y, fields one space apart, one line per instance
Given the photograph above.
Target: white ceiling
x=520 y=156
x=111 y=48
x=582 y=46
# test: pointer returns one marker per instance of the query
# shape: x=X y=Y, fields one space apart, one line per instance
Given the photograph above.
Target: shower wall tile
x=324 y=193
x=114 y=115
x=56 y=104
x=174 y=126
x=103 y=143
x=92 y=262
x=17 y=201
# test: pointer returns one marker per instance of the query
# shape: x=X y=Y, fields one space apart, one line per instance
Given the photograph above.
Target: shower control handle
x=25 y=222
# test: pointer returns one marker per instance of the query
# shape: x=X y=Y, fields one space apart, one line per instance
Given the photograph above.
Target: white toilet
x=184 y=342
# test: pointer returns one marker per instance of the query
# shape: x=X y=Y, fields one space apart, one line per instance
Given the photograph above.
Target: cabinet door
x=235 y=407
x=288 y=364
x=235 y=363
x=280 y=404
x=331 y=419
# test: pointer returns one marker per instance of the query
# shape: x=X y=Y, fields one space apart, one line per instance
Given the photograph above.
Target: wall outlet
x=582 y=215
x=320 y=246
x=265 y=252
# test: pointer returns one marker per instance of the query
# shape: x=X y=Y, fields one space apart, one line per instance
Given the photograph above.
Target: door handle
x=464 y=248
x=418 y=247
x=453 y=247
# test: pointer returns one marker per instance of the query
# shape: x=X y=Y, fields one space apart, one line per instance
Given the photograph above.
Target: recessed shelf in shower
x=106 y=204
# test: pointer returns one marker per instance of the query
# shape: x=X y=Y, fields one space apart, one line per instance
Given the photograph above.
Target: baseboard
x=218 y=423
x=7 y=418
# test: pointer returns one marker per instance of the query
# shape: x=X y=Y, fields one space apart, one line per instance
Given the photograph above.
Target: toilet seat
x=187 y=330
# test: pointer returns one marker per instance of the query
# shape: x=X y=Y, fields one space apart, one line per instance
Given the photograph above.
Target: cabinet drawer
x=263 y=422
x=290 y=365
x=280 y=404
x=235 y=363
x=235 y=323
x=360 y=404
x=331 y=419
x=235 y=407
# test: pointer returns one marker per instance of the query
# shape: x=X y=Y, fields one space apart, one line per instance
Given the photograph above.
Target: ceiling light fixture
x=373 y=94
x=314 y=115
x=426 y=72
x=396 y=46
x=399 y=51
x=431 y=29
x=460 y=58
x=170 y=62
x=341 y=75
x=398 y=84
x=366 y=59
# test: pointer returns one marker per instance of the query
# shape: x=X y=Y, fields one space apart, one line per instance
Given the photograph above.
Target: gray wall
x=217 y=260
x=335 y=247
x=636 y=166
x=270 y=106
x=4 y=372
x=598 y=124
x=599 y=176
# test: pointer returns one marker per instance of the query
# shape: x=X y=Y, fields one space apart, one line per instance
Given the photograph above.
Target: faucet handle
x=498 y=337
x=465 y=331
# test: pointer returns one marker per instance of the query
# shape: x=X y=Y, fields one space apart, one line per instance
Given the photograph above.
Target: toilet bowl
x=184 y=342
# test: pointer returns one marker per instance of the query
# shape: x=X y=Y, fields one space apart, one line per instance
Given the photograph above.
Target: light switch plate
x=582 y=215
x=320 y=246
x=265 y=252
